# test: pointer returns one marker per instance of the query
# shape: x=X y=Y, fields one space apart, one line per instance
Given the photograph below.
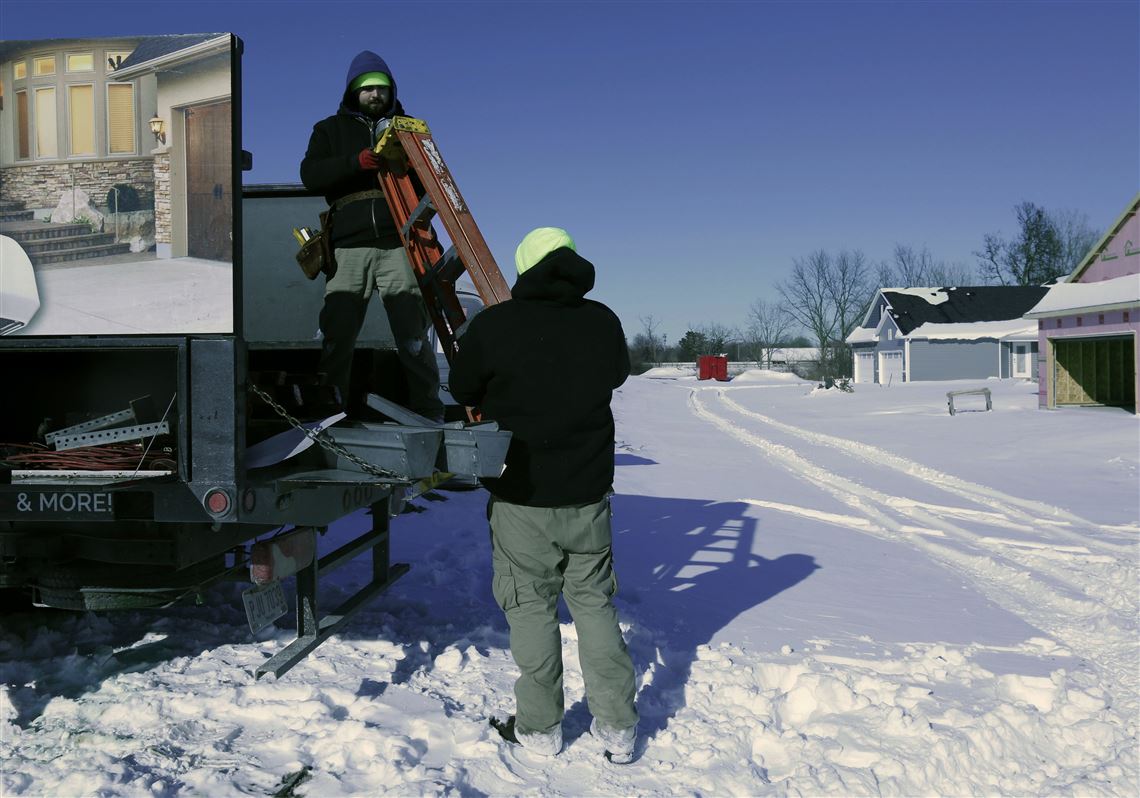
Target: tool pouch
x=316 y=254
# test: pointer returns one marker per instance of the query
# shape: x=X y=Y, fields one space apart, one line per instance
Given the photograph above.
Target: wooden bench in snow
x=975 y=392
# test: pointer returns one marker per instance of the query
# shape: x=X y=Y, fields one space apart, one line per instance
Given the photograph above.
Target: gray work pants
x=538 y=553
x=359 y=272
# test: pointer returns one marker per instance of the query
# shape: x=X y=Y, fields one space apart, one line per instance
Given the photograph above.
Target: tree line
x=826 y=294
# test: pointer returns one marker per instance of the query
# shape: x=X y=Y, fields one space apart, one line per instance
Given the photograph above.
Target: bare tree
x=1076 y=236
x=828 y=297
x=850 y=290
x=944 y=273
x=807 y=296
x=717 y=337
x=912 y=267
x=655 y=341
x=768 y=324
x=1034 y=257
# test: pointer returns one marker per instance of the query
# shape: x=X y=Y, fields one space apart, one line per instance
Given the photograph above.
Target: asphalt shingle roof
x=157 y=46
x=966 y=304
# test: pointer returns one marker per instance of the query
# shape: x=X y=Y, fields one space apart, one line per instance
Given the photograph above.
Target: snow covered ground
x=825 y=593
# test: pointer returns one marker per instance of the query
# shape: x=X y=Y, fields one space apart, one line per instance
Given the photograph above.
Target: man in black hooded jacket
x=340 y=163
x=544 y=365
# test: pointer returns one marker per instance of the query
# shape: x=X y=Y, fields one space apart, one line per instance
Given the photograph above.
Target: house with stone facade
x=149 y=115
x=1088 y=324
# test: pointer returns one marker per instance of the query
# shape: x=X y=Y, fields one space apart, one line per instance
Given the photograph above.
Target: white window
x=46 y=136
x=81 y=119
x=43 y=65
x=80 y=62
x=1021 y=366
x=19 y=70
x=120 y=118
x=23 y=126
x=116 y=57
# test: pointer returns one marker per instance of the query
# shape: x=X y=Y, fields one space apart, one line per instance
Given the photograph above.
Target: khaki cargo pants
x=359 y=272
x=537 y=554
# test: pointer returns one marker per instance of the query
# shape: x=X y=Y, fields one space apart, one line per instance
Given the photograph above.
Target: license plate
x=46 y=504
x=264 y=604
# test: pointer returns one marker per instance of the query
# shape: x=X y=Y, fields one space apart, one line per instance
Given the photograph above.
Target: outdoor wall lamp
x=158 y=128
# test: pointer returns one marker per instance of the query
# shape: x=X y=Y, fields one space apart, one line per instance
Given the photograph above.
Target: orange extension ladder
x=418 y=186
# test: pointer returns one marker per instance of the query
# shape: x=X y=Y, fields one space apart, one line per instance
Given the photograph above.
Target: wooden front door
x=209 y=189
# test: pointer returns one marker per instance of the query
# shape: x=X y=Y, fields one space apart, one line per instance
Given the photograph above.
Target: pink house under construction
x=1088 y=324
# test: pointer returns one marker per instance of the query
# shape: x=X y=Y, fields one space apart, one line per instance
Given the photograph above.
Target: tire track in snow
x=1003 y=503
x=1085 y=625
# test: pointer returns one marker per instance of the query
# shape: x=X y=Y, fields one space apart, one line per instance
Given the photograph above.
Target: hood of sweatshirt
x=563 y=277
x=367 y=61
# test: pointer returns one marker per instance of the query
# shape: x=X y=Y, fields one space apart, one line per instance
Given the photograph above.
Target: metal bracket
x=100 y=437
x=141 y=410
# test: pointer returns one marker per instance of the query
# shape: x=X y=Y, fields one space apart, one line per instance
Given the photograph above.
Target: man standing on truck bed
x=544 y=365
x=341 y=164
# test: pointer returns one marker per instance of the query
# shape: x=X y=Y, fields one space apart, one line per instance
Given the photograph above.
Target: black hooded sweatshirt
x=331 y=167
x=544 y=365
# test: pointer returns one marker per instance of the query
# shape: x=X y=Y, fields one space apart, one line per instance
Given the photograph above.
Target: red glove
x=369 y=161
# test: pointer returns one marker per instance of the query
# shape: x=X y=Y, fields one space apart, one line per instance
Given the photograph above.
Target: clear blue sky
x=694 y=149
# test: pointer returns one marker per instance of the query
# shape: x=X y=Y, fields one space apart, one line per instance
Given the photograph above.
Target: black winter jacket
x=544 y=365
x=330 y=165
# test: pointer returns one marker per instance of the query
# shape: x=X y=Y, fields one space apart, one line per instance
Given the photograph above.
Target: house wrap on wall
x=1088 y=324
x=951 y=333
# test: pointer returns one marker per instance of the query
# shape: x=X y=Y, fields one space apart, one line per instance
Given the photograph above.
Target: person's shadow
x=685 y=569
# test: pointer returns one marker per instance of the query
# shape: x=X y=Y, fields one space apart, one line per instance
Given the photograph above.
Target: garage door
x=890 y=368
x=864 y=367
x=1095 y=371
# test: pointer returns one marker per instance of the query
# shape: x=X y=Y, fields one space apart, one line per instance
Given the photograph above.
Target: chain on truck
x=145 y=459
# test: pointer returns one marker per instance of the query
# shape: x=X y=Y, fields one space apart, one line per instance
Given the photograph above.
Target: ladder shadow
x=686 y=569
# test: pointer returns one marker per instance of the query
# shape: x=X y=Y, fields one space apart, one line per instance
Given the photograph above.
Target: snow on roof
x=862 y=335
x=1064 y=298
x=974 y=331
x=932 y=296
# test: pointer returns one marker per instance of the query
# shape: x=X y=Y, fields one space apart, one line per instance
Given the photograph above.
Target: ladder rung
x=447 y=268
x=422 y=212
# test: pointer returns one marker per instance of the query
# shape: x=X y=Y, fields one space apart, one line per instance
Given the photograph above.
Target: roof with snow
x=912 y=308
x=1119 y=293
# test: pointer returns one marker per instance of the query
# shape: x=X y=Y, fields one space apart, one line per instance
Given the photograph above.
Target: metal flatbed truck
x=202 y=497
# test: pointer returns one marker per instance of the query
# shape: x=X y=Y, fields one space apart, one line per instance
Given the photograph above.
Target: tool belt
x=316 y=254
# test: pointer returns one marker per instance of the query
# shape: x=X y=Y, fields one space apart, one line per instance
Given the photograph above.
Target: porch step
x=43 y=246
x=80 y=253
x=26 y=232
x=15 y=215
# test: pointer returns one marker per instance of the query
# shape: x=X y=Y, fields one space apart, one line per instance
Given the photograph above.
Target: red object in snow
x=712 y=367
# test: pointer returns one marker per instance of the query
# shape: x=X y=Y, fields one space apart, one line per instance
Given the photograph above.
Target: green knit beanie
x=539 y=243
x=369 y=79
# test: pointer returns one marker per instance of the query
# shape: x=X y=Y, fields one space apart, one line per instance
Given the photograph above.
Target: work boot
x=618 y=743
x=545 y=743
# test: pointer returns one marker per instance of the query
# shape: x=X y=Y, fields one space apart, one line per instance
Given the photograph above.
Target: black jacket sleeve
x=623 y=365
x=325 y=168
x=470 y=373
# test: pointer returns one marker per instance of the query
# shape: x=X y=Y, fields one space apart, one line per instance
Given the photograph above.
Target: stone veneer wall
x=41 y=185
x=162 y=216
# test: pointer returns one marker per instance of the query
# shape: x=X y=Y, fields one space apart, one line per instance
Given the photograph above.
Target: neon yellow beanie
x=369 y=79
x=539 y=243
